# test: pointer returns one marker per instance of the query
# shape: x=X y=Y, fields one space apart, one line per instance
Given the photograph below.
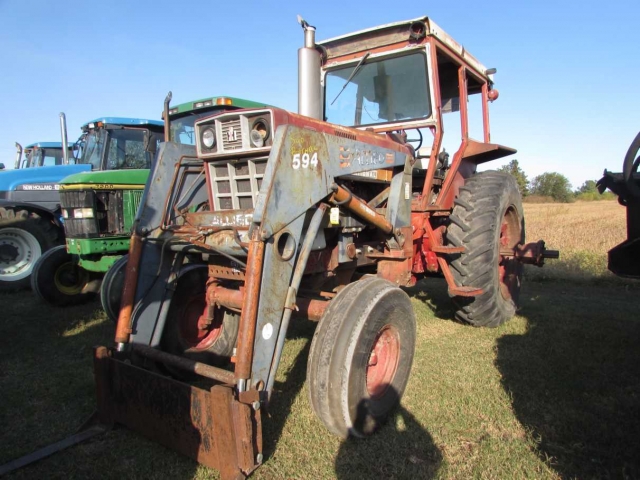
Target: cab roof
x=396 y=32
x=128 y=122
x=46 y=145
x=221 y=101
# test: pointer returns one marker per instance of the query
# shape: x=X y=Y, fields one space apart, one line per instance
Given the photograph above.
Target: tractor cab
x=44 y=154
x=112 y=143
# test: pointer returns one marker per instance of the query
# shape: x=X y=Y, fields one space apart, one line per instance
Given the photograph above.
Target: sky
x=568 y=71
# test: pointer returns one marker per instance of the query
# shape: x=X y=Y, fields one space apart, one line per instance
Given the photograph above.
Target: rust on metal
x=183 y=363
x=341 y=196
x=533 y=253
x=123 y=328
x=249 y=315
x=456 y=290
x=209 y=426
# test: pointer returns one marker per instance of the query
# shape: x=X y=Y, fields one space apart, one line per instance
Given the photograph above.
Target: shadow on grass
x=574 y=378
x=401 y=449
x=432 y=291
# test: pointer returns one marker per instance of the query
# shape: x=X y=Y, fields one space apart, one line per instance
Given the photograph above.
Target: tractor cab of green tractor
x=98 y=207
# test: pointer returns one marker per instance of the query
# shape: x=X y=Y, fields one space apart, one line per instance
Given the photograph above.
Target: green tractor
x=99 y=207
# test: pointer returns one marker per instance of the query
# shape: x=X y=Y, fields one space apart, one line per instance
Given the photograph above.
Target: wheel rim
x=383 y=361
x=193 y=329
x=508 y=266
x=70 y=279
x=19 y=251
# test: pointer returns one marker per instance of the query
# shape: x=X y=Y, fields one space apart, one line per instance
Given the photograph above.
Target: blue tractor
x=31 y=219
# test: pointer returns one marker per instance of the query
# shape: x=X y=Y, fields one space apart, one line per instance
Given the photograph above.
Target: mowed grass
x=554 y=393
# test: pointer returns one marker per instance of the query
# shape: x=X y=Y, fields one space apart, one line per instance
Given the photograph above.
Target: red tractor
x=324 y=214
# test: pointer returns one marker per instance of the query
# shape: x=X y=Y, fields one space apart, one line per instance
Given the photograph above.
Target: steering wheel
x=419 y=140
x=630 y=166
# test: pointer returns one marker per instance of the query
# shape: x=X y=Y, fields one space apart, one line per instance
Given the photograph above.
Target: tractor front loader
x=324 y=215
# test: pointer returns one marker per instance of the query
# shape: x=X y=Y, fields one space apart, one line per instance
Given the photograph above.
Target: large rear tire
x=58 y=280
x=111 y=288
x=184 y=333
x=487 y=218
x=361 y=357
x=24 y=237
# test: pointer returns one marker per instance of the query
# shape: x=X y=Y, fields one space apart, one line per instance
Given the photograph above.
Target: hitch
x=533 y=253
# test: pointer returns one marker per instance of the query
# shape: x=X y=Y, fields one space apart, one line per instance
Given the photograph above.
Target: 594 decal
x=304 y=160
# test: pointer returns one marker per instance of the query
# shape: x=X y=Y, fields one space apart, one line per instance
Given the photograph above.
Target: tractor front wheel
x=24 y=236
x=488 y=221
x=188 y=332
x=361 y=356
x=111 y=288
x=58 y=280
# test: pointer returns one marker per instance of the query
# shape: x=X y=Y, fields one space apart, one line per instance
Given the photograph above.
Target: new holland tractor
x=99 y=206
x=324 y=214
x=30 y=217
x=624 y=259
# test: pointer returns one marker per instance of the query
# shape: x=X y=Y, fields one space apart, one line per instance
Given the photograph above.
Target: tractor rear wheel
x=361 y=356
x=58 y=280
x=111 y=288
x=24 y=237
x=488 y=221
x=187 y=332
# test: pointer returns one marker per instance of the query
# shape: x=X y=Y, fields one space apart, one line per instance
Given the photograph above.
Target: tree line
x=552 y=186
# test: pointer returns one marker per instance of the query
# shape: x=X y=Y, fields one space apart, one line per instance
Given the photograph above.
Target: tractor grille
x=114 y=212
x=236 y=184
x=231 y=134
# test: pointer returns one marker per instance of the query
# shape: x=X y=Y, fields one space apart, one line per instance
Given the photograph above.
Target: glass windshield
x=382 y=91
x=33 y=158
x=182 y=130
x=126 y=149
x=50 y=157
x=93 y=148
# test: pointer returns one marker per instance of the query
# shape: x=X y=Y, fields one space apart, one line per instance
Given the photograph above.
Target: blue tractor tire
x=24 y=237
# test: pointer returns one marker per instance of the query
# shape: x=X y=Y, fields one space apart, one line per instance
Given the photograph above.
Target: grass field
x=554 y=393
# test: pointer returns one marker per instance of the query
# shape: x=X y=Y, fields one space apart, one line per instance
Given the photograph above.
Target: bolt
x=256 y=405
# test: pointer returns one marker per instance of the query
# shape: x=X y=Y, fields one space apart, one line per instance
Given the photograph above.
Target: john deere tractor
x=99 y=207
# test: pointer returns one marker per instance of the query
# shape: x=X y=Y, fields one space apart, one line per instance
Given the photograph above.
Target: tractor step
x=464 y=291
x=450 y=250
x=210 y=426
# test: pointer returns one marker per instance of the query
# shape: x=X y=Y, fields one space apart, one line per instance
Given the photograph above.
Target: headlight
x=259 y=132
x=83 y=213
x=65 y=213
x=208 y=138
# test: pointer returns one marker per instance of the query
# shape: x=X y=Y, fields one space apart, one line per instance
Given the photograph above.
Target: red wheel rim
x=508 y=264
x=195 y=332
x=383 y=361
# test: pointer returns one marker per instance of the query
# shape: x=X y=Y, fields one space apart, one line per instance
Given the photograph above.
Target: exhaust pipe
x=65 y=143
x=18 y=155
x=309 y=63
x=165 y=114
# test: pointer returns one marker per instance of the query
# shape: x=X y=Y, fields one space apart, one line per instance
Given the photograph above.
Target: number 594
x=304 y=160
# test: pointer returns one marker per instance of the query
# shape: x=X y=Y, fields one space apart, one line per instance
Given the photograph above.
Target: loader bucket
x=208 y=425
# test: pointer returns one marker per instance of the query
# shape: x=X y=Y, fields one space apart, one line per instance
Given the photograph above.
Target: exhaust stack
x=65 y=143
x=167 y=120
x=18 y=155
x=309 y=63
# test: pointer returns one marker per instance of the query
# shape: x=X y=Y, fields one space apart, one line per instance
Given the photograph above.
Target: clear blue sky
x=568 y=71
